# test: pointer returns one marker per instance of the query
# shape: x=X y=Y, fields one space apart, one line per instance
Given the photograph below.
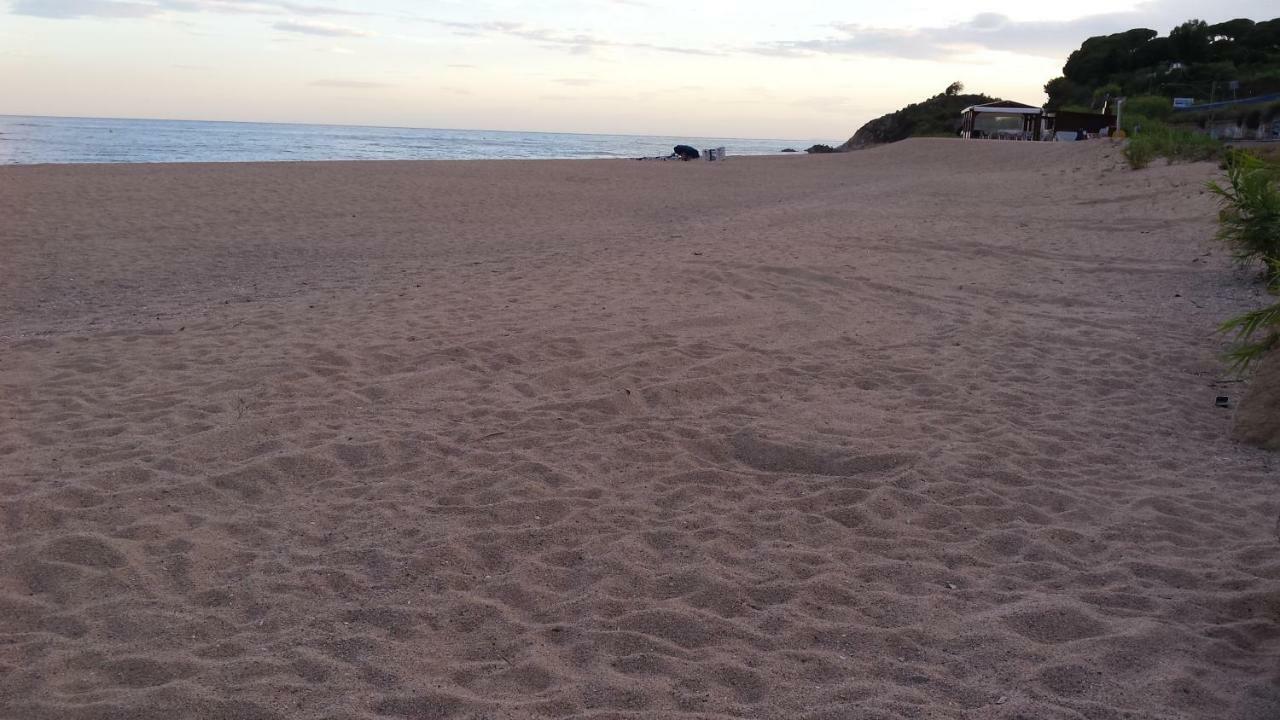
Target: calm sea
x=27 y=140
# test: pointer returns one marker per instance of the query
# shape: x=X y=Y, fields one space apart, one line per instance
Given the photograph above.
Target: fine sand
x=926 y=431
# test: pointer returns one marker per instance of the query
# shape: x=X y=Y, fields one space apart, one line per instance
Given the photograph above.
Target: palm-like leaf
x=1250 y=217
x=1264 y=322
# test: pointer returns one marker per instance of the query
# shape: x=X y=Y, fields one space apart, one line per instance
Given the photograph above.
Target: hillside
x=937 y=116
x=1237 y=58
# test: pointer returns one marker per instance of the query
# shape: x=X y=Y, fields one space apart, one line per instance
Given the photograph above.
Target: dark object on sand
x=1222 y=401
x=789 y=150
x=687 y=152
x=819 y=149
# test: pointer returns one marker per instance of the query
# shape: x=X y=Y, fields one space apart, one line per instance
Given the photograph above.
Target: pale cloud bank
x=351 y=84
x=304 y=27
x=995 y=31
x=575 y=43
x=983 y=31
x=71 y=9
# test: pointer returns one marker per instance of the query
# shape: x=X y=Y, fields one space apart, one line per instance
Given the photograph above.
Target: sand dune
x=926 y=431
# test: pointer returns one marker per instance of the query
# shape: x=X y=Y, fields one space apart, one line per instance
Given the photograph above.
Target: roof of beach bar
x=1004 y=107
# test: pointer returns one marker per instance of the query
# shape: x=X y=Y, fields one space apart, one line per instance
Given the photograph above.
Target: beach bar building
x=1065 y=123
x=1030 y=116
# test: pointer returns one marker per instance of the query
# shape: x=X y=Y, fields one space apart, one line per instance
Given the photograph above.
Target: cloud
x=994 y=31
x=68 y=9
x=574 y=43
x=305 y=27
x=986 y=31
x=577 y=82
x=71 y=9
x=862 y=40
x=301 y=9
x=837 y=104
x=351 y=84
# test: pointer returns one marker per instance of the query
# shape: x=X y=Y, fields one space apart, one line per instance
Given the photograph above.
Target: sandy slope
x=923 y=431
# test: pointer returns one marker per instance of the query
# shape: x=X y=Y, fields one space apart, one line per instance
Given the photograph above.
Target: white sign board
x=1183 y=102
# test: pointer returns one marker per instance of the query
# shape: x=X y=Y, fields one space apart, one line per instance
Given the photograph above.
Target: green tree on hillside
x=1191 y=61
x=1190 y=41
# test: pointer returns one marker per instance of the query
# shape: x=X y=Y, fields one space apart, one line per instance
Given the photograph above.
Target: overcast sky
x=744 y=68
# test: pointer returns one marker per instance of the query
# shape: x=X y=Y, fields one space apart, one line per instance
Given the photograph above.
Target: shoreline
x=96 y=139
x=388 y=127
x=147 y=163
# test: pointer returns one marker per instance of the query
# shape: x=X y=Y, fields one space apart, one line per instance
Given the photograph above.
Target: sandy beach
x=925 y=431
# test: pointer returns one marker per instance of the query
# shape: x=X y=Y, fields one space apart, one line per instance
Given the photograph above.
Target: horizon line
x=391 y=127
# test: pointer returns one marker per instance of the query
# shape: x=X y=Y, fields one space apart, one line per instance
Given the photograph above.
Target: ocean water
x=28 y=140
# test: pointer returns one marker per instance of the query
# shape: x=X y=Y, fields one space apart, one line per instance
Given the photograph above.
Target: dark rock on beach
x=687 y=152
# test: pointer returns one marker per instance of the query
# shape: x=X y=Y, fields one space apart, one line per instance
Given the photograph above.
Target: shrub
x=1256 y=332
x=1139 y=153
x=1250 y=218
x=1149 y=139
x=1149 y=106
x=1250 y=224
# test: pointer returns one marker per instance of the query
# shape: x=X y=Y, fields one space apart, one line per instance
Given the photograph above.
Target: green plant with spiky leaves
x=1250 y=218
x=1256 y=332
